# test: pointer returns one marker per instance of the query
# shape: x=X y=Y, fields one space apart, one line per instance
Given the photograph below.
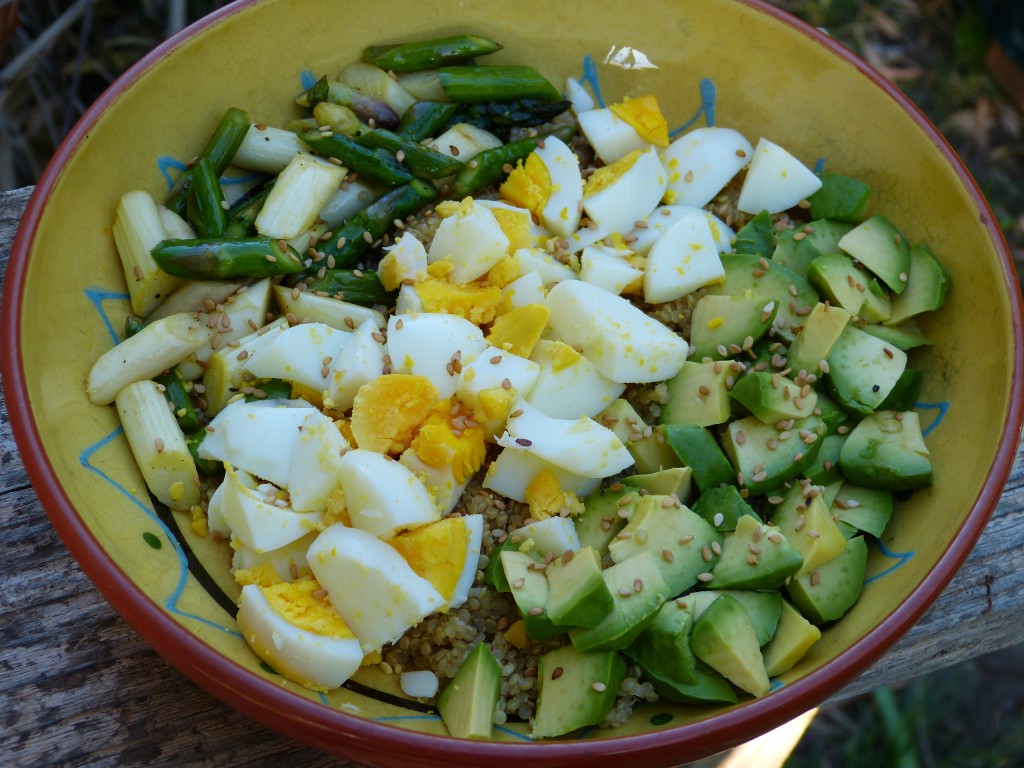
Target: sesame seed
x=518 y=583
x=705 y=552
x=686 y=539
x=159 y=444
x=815 y=578
x=556 y=673
x=638 y=584
x=667 y=555
x=598 y=686
x=813 y=534
x=705 y=577
x=535 y=610
x=775 y=538
x=526 y=443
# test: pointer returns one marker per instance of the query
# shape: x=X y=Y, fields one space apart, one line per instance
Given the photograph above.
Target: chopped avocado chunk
x=829 y=591
x=604 y=515
x=710 y=688
x=795 y=251
x=467 y=703
x=757 y=237
x=805 y=520
x=638 y=591
x=767 y=455
x=647 y=448
x=840 y=197
x=578 y=595
x=793 y=637
x=494 y=573
x=698 y=394
x=880 y=247
x=723 y=326
x=755 y=556
x=723 y=637
x=665 y=482
x=530 y=590
x=697 y=449
x=575 y=689
x=771 y=397
x=906 y=335
x=840 y=281
x=722 y=507
x=762 y=607
x=679 y=541
x=865 y=509
x=904 y=394
x=825 y=468
x=814 y=342
x=663 y=648
x=927 y=282
x=886 y=450
x=863 y=370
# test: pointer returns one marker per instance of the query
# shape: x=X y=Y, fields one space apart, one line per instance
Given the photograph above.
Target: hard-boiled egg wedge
x=451 y=437
x=430 y=345
x=523 y=291
x=550 y=185
x=553 y=535
x=255 y=518
x=382 y=495
x=297 y=632
x=372 y=586
x=439 y=481
x=471 y=239
x=298 y=354
x=518 y=330
x=581 y=446
x=474 y=301
x=511 y=473
x=610 y=136
x=682 y=260
x=609 y=268
x=700 y=163
x=215 y=522
x=580 y=97
x=517 y=224
x=445 y=553
x=568 y=385
x=775 y=180
x=490 y=381
x=621 y=340
x=359 y=361
x=388 y=410
x=663 y=217
x=620 y=194
x=258 y=437
x=288 y=562
x=315 y=463
x=405 y=260
x=549 y=269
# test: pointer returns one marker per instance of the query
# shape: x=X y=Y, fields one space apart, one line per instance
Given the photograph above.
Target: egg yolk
x=516 y=226
x=440 y=443
x=263 y=575
x=604 y=177
x=546 y=498
x=562 y=356
x=518 y=330
x=516 y=634
x=471 y=301
x=504 y=272
x=529 y=185
x=388 y=410
x=436 y=552
x=644 y=116
x=304 y=603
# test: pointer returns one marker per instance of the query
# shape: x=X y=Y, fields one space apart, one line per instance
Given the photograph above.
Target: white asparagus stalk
x=374 y=81
x=300 y=192
x=158 y=445
x=154 y=349
x=138 y=227
x=267 y=149
x=308 y=307
x=192 y=296
x=223 y=378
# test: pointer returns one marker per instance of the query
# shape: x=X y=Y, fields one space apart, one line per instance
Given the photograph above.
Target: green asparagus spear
x=373 y=164
x=181 y=403
x=426 y=119
x=218 y=153
x=426 y=163
x=475 y=84
x=409 y=57
x=354 y=286
x=205 y=198
x=272 y=389
x=489 y=167
x=500 y=117
x=201 y=259
x=372 y=111
x=353 y=238
x=242 y=216
x=132 y=325
x=208 y=467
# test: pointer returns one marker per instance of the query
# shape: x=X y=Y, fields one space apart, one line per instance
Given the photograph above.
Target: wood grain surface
x=78 y=687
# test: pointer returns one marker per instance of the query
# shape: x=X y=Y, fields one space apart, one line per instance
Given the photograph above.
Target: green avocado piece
x=680 y=542
x=723 y=326
x=757 y=237
x=724 y=638
x=767 y=455
x=772 y=397
x=530 y=590
x=886 y=450
x=877 y=306
x=467 y=703
x=807 y=524
x=880 y=247
x=904 y=393
x=575 y=689
x=826 y=233
x=820 y=330
x=696 y=448
x=864 y=509
x=698 y=394
x=906 y=335
x=578 y=594
x=763 y=608
x=829 y=591
x=794 y=250
x=927 y=283
x=832 y=416
x=863 y=370
x=755 y=556
x=648 y=449
x=663 y=648
x=604 y=515
x=638 y=592
x=494 y=573
x=825 y=468
x=793 y=637
x=840 y=197
x=710 y=688
x=664 y=482
x=747 y=275
x=840 y=281
x=724 y=501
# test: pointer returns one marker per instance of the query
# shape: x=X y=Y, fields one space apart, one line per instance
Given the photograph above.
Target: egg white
x=561 y=212
x=629 y=197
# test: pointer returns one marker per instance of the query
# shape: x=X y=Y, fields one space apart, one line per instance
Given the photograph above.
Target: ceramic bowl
x=736 y=64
